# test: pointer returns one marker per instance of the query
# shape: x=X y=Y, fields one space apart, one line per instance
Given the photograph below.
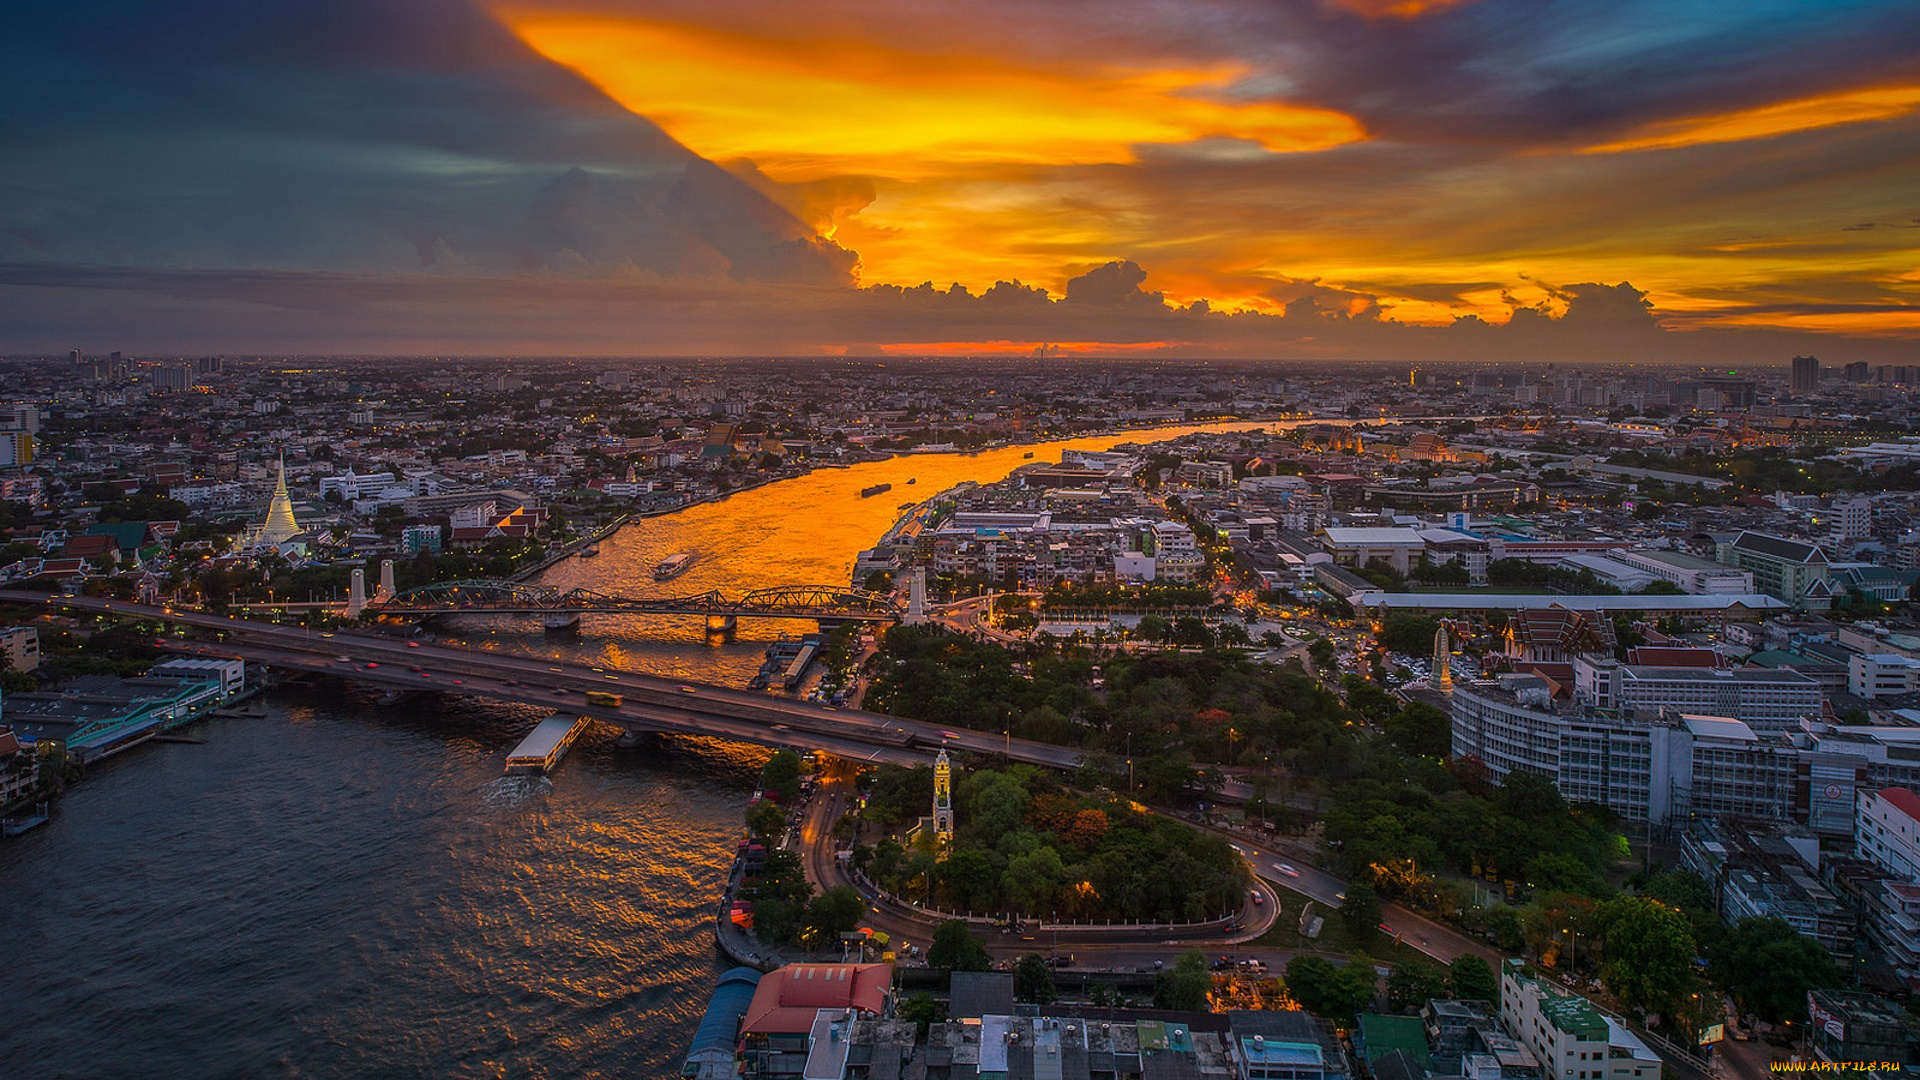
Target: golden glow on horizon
x=1016 y=348
x=1767 y=121
x=806 y=109
x=988 y=166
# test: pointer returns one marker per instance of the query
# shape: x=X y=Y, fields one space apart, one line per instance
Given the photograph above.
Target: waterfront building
x=1569 y=1037
x=1887 y=837
x=19 y=769
x=712 y=1054
x=98 y=715
x=801 y=1006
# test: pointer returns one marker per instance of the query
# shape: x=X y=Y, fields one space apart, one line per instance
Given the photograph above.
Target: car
x=413 y=644
x=689 y=690
x=426 y=674
x=949 y=734
x=340 y=659
x=1387 y=930
x=1285 y=869
x=415 y=670
x=371 y=664
x=780 y=727
x=326 y=633
x=597 y=670
x=1257 y=898
x=459 y=682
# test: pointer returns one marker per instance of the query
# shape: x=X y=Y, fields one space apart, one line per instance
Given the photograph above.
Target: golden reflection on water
x=803 y=531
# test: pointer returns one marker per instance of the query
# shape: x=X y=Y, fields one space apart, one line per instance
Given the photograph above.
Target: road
x=650 y=703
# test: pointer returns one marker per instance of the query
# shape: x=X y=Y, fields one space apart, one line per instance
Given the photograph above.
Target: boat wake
x=513 y=792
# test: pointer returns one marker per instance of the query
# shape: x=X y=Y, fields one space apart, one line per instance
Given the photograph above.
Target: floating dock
x=541 y=750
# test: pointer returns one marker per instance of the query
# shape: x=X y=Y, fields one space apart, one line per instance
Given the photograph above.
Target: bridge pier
x=722 y=624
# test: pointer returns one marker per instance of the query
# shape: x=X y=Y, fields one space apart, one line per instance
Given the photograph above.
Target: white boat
x=672 y=566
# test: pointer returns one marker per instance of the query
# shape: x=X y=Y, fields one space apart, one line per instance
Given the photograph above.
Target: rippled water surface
x=344 y=890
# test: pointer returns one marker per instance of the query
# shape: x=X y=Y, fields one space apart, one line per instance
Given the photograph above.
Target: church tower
x=942 y=805
x=1442 y=660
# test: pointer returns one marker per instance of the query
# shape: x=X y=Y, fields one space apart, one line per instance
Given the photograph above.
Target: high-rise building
x=1806 y=374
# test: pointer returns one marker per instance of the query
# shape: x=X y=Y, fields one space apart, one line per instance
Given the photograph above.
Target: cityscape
x=1301 y=540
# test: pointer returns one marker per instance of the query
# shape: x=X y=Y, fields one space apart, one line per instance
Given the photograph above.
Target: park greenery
x=1026 y=844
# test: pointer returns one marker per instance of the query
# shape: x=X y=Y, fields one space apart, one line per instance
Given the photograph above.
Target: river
x=343 y=890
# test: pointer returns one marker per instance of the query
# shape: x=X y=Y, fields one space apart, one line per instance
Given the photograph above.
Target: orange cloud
x=1395 y=9
x=806 y=109
x=1767 y=121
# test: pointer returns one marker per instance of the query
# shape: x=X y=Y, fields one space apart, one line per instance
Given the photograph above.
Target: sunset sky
x=1679 y=180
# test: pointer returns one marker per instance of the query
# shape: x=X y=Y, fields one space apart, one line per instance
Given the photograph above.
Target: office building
x=1806 y=374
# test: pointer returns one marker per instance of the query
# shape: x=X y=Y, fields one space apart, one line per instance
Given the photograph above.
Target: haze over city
x=1493 y=180
x=1083 y=539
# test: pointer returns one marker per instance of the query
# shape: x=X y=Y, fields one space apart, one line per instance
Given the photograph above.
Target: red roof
x=786 y=1000
x=1903 y=800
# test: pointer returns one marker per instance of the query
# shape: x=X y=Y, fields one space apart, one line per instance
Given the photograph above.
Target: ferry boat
x=541 y=750
x=911 y=480
x=672 y=566
x=1028 y=454
x=877 y=489
x=590 y=551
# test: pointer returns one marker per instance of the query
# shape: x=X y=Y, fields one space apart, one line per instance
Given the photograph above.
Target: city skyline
x=1479 y=181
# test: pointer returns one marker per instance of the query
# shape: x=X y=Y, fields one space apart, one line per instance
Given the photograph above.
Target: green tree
x=1768 y=967
x=765 y=820
x=1324 y=654
x=1649 y=950
x=1471 y=978
x=1184 y=985
x=1338 y=993
x=1412 y=983
x=923 y=1009
x=954 y=948
x=1152 y=628
x=780 y=779
x=1033 y=880
x=1419 y=728
x=1360 y=911
x=1033 y=980
x=832 y=913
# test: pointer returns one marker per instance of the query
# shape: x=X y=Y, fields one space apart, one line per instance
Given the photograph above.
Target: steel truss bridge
x=517 y=598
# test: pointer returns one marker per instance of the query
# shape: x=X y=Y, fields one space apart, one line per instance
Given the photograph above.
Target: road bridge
x=557 y=606
x=649 y=703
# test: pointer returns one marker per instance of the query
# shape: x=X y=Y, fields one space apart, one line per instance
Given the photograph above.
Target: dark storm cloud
x=362 y=134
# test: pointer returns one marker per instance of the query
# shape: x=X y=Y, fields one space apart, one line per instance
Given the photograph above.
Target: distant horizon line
x=883 y=359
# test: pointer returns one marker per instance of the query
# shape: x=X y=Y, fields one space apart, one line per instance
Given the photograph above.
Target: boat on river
x=877 y=489
x=672 y=566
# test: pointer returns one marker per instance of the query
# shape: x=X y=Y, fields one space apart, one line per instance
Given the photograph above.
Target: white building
x=1771 y=700
x=1887 y=834
x=1397 y=547
x=1570 y=1038
x=1691 y=573
x=1878 y=675
x=1662 y=771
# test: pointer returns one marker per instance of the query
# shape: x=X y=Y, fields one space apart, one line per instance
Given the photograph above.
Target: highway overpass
x=650 y=703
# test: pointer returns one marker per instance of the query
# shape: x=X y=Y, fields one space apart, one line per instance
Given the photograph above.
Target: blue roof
x=720 y=1027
